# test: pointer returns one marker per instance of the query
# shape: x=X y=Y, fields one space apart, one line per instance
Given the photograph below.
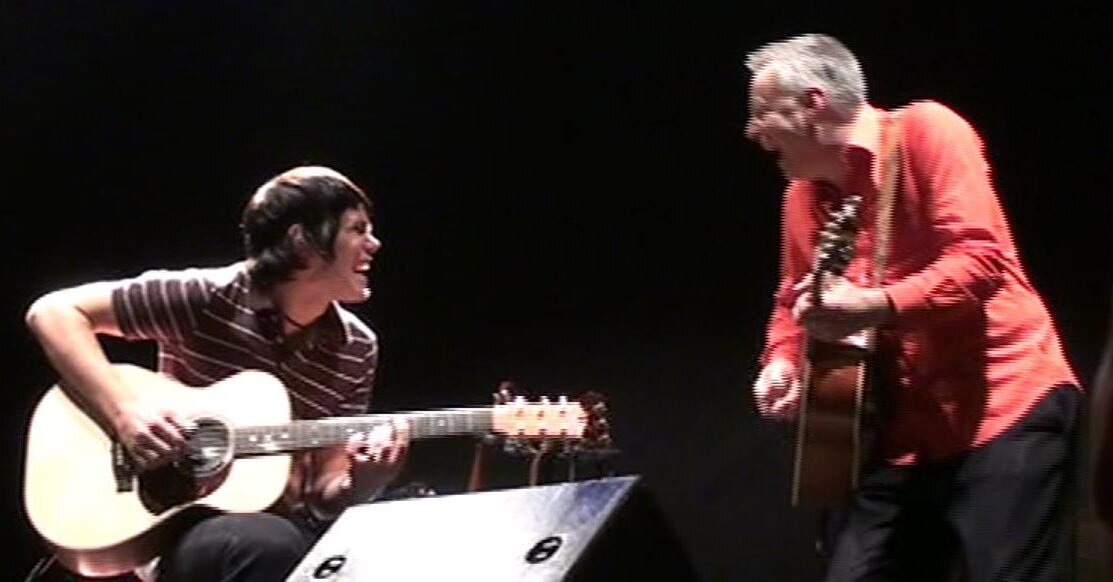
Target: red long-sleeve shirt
x=972 y=347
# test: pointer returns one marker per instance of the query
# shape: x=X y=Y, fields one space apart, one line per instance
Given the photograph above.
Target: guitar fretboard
x=323 y=432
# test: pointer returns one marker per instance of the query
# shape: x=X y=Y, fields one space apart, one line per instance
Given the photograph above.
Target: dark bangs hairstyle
x=314 y=198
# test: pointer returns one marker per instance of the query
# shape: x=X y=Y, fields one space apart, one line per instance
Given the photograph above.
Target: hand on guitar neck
x=845 y=308
x=376 y=457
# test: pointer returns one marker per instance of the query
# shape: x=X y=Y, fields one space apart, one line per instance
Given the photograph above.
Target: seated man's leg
x=235 y=547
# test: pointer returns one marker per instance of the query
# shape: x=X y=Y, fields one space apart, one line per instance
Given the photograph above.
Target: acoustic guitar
x=103 y=518
x=829 y=427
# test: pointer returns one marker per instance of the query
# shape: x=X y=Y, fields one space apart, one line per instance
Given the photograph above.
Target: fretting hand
x=377 y=456
x=845 y=310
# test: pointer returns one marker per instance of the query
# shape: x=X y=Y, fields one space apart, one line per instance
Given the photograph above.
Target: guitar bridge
x=122 y=468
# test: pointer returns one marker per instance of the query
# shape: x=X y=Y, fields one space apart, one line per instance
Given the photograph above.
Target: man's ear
x=300 y=243
x=816 y=100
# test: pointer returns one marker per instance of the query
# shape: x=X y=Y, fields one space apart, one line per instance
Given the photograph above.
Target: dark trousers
x=254 y=547
x=1001 y=513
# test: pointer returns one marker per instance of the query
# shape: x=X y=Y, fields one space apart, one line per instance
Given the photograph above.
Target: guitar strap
x=890 y=170
x=873 y=399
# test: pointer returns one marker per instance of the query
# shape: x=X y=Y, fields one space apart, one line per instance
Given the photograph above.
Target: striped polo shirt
x=210 y=323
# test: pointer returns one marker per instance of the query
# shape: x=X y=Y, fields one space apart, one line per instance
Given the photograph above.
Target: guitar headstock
x=582 y=421
x=836 y=239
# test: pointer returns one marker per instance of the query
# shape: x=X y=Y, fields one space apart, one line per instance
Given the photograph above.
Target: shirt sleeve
x=965 y=222
x=783 y=334
x=161 y=305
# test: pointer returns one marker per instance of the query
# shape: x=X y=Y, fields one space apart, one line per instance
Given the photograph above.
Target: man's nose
x=752 y=132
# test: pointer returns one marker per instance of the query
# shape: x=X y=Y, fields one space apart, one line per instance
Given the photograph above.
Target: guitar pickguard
x=173 y=485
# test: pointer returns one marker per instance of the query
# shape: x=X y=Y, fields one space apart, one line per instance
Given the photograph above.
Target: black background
x=563 y=189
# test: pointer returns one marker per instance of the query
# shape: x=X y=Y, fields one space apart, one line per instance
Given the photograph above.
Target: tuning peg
x=563 y=399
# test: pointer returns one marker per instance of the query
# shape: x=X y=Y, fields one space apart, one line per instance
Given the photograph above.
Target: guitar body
x=100 y=520
x=829 y=429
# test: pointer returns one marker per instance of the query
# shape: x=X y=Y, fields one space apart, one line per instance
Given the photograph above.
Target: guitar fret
x=303 y=434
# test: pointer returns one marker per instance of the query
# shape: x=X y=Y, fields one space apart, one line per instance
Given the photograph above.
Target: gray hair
x=814 y=60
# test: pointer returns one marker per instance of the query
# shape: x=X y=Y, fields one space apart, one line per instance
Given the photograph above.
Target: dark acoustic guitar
x=829 y=426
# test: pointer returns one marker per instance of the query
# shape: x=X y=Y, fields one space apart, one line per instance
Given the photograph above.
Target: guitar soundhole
x=209 y=448
x=195 y=475
x=165 y=487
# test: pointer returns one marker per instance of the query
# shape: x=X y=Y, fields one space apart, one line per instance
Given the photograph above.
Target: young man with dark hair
x=309 y=247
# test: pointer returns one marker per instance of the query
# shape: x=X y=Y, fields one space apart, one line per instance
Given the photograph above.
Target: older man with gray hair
x=970 y=400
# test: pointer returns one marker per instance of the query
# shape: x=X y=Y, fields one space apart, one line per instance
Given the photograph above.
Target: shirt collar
x=862 y=147
x=330 y=324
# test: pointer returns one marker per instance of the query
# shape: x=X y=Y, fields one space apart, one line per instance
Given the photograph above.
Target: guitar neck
x=324 y=432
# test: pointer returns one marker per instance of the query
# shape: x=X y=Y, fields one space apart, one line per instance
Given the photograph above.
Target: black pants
x=1000 y=513
x=254 y=547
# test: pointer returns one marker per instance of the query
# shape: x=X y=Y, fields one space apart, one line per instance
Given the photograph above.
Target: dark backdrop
x=563 y=189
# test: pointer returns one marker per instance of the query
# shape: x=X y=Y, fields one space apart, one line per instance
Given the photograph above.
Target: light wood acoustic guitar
x=829 y=427
x=103 y=518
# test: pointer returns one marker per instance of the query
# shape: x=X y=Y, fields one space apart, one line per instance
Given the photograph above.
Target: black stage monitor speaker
x=603 y=529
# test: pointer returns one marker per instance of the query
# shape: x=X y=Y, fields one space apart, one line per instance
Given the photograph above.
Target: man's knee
x=248 y=538
x=261 y=535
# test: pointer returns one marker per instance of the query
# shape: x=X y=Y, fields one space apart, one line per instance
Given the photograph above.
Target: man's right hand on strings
x=777 y=391
x=152 y=433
